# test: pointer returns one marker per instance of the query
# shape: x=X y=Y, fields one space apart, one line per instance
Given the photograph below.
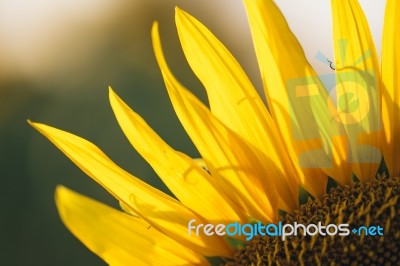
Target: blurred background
x=57 y=59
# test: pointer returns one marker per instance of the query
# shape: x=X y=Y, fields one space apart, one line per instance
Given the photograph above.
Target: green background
x=75 y=99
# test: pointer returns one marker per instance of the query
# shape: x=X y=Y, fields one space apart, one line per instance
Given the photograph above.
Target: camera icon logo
x=342 y=104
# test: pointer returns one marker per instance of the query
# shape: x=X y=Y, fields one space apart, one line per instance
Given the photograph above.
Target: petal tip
x=180 y=14
x=177 y=10
x=35 y=125
x=61 y=191
x=111 y=93
x=154 y=25
x=61 y=194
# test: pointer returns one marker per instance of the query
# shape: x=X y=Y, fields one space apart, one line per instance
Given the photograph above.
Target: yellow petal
x=228 y=157
x=118 y=238
x=391 y=81
x=193 y=186
x=357 y=85
x=232 y=97
x=297 y=99
x=158 y=209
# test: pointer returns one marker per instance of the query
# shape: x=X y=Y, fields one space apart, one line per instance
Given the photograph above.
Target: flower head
x=254 y=158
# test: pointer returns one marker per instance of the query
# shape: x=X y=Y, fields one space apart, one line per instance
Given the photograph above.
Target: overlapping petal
x=193 y=186
x=158 y=209
x=228 y=157
x=391 y=87
x=119 y=238
x=297 y=99
x=232 y=97
x=358 y=85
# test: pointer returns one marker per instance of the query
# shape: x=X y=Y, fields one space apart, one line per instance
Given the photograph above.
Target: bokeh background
x=57 y=59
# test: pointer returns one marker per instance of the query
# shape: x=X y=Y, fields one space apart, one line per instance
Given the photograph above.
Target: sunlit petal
x=232 y=97
x=158 y=209
x=297 y=99
x=118 y=238
x=239 y=169
x=192 y=185
x=357 y=85
x=391 y=81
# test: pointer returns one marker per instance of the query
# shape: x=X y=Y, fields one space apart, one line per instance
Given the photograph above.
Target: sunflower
x=255 y=158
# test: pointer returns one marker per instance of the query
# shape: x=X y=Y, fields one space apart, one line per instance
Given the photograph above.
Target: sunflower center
x=361 y=206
